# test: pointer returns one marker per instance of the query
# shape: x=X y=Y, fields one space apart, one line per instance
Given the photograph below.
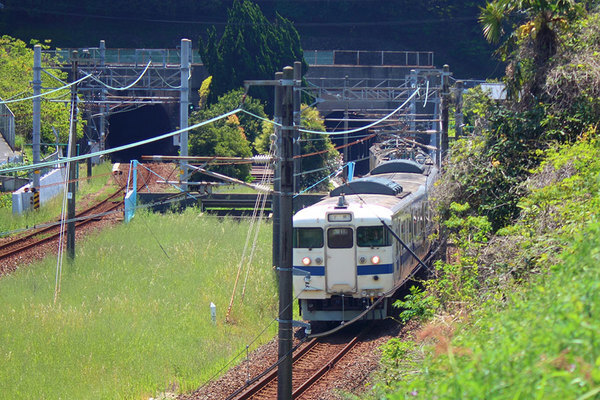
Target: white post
x=213 y=313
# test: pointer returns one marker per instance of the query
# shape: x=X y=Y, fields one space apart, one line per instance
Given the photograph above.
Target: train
x=348 y=259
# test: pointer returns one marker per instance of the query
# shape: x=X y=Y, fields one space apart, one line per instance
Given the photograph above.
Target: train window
x=372 y=236
x=340 y=238
x=308 y=238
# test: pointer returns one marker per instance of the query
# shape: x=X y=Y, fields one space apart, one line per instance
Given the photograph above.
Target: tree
x=232 y=137
x=16 y=73
x=535 y=37
x=250 y=48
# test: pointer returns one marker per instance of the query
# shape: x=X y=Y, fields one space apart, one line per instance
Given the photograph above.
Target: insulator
x=261 y=159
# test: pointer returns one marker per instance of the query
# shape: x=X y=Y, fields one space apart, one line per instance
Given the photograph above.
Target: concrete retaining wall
x=50 y=188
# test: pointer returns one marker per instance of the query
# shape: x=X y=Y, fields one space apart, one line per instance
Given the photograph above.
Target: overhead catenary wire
x=362 y=128
x=171 y=134
x=106 y=85
x=47 y=93
x=120 y=148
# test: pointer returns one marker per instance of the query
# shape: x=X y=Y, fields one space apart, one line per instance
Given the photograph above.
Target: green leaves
x=232 y=137
x=16 y=74
x=416 y=304
x=251 y=47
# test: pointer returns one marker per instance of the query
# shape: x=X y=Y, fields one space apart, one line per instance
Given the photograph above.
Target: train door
x=340 y=271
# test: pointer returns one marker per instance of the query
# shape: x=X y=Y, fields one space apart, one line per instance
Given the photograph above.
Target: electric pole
x=297 y=120
x=458 y=114
x=184 y=101
x=72 y=165
x=286 y=166
x=445 y=111
x=276 y=172
x=37 y=109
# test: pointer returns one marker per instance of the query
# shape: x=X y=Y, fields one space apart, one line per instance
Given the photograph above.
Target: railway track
x=311 y=363
x=52 y=232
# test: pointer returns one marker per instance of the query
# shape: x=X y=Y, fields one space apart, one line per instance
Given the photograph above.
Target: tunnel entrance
x=136 y=125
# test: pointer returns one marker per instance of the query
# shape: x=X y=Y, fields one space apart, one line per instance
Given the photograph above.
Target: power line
x=120 y=148
x=46 y=93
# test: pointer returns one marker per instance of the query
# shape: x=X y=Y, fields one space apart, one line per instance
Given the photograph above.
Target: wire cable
x=47 y=93
x=124 y=87
x=415 y=93
x=120 y=148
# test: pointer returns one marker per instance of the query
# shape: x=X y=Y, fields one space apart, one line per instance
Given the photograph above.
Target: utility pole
x=184 y=101
x=37 y=110
x=72 y=165
x=445 y=110
x=297 y=121
x=277 y=174
x=103 y=108
x=284 y=371
x=458 y=114
x=345 y=97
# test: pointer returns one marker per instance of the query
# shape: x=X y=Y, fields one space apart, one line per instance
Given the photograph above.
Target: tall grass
x=132 y=318
x=101 y=184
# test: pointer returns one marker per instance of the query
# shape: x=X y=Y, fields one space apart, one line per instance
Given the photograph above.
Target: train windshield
x=340 y=238
x=308 y=238
x=372 y=236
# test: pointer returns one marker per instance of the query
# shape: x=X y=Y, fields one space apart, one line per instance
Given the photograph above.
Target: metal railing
x=366 y=57
x=7 y=125
x=125 y=56
x=421 y=59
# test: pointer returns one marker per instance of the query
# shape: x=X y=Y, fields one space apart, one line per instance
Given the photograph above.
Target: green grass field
x=131 y=321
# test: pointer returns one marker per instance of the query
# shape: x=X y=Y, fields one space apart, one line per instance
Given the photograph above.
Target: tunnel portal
x=136 y=125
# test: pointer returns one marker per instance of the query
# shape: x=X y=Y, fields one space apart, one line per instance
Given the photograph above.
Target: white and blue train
x=344 y=257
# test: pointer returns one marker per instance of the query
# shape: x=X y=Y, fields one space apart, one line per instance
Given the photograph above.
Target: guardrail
x=7 y=125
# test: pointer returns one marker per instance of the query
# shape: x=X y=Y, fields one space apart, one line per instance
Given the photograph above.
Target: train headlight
x=375 y=259
x=362 y=260
x=318 y=260
x=306 y=261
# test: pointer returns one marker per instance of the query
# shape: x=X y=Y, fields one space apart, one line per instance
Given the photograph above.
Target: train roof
x=380 y=194
x=398 y=166
x=391 y=184
x=366 y=207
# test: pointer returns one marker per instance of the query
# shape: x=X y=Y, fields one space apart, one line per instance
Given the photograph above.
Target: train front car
x=345 y=259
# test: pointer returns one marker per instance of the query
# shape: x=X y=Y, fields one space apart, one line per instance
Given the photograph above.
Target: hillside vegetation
x=513 y=313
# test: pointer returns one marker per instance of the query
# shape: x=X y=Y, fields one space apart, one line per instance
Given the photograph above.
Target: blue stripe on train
x=360 y=270
x=314 y=271
x=375 y=269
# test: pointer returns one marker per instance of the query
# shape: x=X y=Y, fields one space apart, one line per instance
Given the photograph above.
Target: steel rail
x=31 y=237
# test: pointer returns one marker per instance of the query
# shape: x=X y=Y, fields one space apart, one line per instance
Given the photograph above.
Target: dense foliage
x=512 y=313
x=16 y=74
x=231 y=137
x=534 y=340
x=250 y=47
